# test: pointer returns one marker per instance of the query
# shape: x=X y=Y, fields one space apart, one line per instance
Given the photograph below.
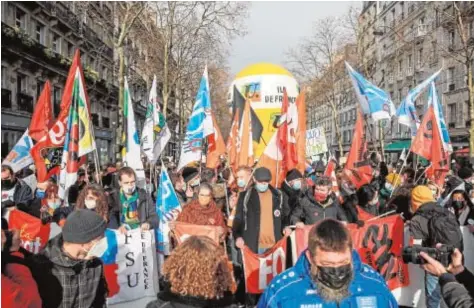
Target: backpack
x=443 y=227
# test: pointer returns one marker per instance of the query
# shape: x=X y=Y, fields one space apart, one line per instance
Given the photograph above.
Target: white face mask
x=98 y=249
x=130 y=190
x=90 y=204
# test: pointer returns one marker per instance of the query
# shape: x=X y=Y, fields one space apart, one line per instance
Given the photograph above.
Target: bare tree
x=457 y=18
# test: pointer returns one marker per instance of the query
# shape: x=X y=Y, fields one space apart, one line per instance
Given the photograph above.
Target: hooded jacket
x=247 y=216
x=146 y=209
x=68 y=283
x=295 y=288
x=311 y=211
x=194 y=213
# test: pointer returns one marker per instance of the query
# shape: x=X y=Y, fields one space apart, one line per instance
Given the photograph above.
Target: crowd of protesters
x=250 y=212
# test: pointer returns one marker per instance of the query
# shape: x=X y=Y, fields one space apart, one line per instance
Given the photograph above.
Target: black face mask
x=457 y=205
x=335 y=277
x=7 y=184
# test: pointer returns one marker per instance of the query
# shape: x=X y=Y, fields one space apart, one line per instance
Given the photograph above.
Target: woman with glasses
x=203 y=210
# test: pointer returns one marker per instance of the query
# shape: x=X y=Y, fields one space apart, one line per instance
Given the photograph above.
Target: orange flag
x=244 y=139
x=231 y=145
x=301 y=133
x=358 y=167
x=42 y=118
x=272 y=160
x=422 y=144
x=216 y=145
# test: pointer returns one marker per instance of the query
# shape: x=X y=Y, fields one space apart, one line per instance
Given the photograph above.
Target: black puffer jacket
x=291 y=194
x=67 y=283
x=458 y=291
x=311 y=211
x=247 y=217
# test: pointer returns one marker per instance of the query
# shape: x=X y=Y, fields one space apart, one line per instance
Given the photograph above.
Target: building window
x=39 y=32
x=95 y=119
x=21 y=83
x=420 y=56
x=56 y=43
x=410 y=64
x=4 y=77
x=450 y=79
x=56 y=100
x=20 y=18
x=39 y=88
x=452 y=115
x=451 y=39
x=70 y=49
x=400 y=66
x=105 y=122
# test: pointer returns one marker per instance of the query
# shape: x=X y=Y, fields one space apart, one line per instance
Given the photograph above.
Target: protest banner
x=259 y=270
x=315 y=142
x=184 y=230
x=379 y=243
x=33 y=234
x=19 y=157
x=130 y=266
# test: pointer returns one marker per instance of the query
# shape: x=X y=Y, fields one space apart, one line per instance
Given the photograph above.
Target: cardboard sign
x=315 y=142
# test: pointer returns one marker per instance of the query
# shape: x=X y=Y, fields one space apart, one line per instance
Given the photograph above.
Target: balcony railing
x=6 y=98
x=24 y=102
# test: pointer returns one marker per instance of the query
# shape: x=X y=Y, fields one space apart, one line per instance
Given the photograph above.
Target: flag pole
x=397 y=176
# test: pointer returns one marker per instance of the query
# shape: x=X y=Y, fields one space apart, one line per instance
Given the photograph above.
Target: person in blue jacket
x=328 y=274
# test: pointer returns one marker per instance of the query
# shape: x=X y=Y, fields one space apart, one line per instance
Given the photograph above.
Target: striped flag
x=331 y=173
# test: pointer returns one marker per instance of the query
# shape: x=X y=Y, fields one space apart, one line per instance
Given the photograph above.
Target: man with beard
x=328 y=274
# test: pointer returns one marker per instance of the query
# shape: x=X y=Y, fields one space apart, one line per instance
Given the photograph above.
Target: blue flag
x=406 y=112
x=373 y=100
x=167 y=209
x=438 y=111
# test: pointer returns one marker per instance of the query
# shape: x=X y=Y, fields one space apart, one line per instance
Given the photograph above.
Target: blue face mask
x=241 y=183
x=261 y=187
x=40 y=194
x=296 y=185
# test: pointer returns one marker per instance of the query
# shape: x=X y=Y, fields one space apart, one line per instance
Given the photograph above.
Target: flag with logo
x=406 y=112
x=131 y=157
x=238 y=106
x=19 y=157
x=216 y=146
x=184 y=230
x=167 y=209
x=79 y=138
x=34 y=235
x=433 y=99
x=373 y=100
x=288 y=125
x=198 y=126
x=231 y=144
x=48 y=152
x=42 y=118
x=259 y=270
x=358 y=167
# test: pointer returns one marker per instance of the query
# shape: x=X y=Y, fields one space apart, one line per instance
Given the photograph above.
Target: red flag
x=184 y=230
x=42 y=118
x=358 y=167
x=422 y=144
x=216 y=146
x=331 y=173
x=231 y=145
x=47 y=153
x=33 y=234
x=261 y=269
x=288 y=126
x=301 y=133
x=272 y=160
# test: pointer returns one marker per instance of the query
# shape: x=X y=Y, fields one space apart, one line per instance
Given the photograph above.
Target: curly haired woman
x=196 y=275
x=93 y=198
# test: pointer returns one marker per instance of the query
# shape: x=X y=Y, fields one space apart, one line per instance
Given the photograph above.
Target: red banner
x=33 y=234
x=379 y=244
x=184 y=230
x=261 y=269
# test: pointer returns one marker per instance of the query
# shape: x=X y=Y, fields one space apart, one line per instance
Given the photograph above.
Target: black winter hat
x=83 y=226
x=365 y=194
x=465 y=173
x=189 y=173
x=262 y=174
x=293 y=174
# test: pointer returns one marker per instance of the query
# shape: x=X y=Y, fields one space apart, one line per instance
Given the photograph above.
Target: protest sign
x=315 y=142
x=261 y=269
x=130 y=266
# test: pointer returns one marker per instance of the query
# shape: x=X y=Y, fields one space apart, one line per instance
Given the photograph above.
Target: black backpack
x=443 y=227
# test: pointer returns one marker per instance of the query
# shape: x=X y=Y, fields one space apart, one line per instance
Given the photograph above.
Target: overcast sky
x=273 y=26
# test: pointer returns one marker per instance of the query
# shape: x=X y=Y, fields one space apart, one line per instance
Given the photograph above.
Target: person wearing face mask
x=328 y=274
x=318 y=206
x=432 y=224
x=461 y=206
x=132 y=207
x=467 y=175
x=14 y=191
x=392 y=181
x=93 y=198
x=75 y=189
x=203 y=210
x=368 y=200
x=292 y=187
x=67 y=271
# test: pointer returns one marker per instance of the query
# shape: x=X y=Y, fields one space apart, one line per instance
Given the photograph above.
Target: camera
x=411 y=254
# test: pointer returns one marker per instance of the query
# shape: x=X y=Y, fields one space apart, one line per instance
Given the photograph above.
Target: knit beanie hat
x=465 y=173
x=262 y=174
x=421 y=194
x=394 y=179
x=82 y=226
x=293 y=174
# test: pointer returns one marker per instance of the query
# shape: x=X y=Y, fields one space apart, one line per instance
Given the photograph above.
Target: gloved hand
x=360 y=223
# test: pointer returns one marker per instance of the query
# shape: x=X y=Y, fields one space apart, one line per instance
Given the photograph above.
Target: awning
x=398 y=146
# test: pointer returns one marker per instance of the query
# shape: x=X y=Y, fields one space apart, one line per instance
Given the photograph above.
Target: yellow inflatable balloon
x=263 y=85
